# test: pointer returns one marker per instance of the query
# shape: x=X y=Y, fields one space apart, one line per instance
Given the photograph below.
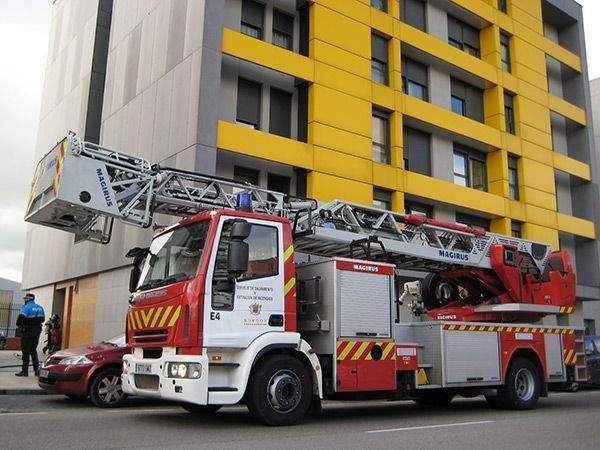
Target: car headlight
x=184 y=370
x=75 y=360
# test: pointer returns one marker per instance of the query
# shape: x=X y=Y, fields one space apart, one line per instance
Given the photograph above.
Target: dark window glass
x=515 y=229
x=412 y=12
x=262 y=262
x=417 y=153
x=280 y=114
x=477 y=223
x=509 y=113
x=381 y=137
x=463 y=36
x=283 y=30
x=248 y=103
x=379 y=4
x=382 y=199
x=458 y=105
x=513 y=178
x=470 y=168
x=505 y=52
x=461 y=171
x=252 y=18
x=245 y=175
x=414 y=79
x=379 y=59
x=278 y=183
x=503 y=6
x=478 y=174
x=466 y=100
x=418 y=209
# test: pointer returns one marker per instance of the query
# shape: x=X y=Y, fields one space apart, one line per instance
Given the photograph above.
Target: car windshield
x=174 y=256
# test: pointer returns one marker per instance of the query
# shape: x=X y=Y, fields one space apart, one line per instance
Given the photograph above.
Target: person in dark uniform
x=30 y=321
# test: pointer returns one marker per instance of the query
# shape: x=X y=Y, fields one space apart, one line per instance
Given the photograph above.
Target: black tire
x=105 y=389
x=434 y=398
x=76 y=396
x=523 y=385
x=437 y=291
x=279 y=391
x=201 y=410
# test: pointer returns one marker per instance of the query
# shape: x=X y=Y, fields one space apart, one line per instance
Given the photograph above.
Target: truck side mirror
x=238 y=250
x=134 y=277
x=138 y=254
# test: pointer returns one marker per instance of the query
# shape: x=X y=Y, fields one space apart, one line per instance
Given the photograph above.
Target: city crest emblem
x=255 y=309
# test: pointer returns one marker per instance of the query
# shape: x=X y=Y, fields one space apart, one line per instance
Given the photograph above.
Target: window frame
x=275 y=30
x=377 y=65
x=516 y=229
x=386 y=146
x=503 y=6
x=470 y=156
x=250 y=26
x=505 y=56
x=463 y=104
x=407 y=82
x=383 y=3
x=474 y=222
x=242 y=121
x=409 y=205
x=462 y=44
x=509 y=114
x=513 y=167
x=404 y=18
x=386 y=194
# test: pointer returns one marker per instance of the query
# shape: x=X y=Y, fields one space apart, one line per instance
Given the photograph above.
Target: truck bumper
x=149 y=377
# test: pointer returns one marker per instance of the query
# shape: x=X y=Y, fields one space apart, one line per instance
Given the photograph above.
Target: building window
x=280 y=113
x=412 y=12
x=505 y=52
x=466 y=100
x=503 y=6
x=245 y=175
x=463 y=36
x=283 y=30
x=252 y=18
x=513 y=178
x=278 y=183
x=382 y=199
x=248 y=103
x=414 y=79
x=380 y=4
x=509 y=113
x=379 y=59
x=381 y=137
x=515 y=229
x=477 y=223
x=418 y=209
x=470 y=168
x=417 y=153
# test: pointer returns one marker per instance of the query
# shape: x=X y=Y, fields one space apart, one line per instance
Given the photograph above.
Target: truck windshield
x=174 y=256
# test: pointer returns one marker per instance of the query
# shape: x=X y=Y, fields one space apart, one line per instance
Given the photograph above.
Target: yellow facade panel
x=340 y=110
x=240 y=139
x=540 y=216
x=382 y=22
x=501 y=226
x=539 y=233
x=538 y=198
x=342 y=80
x=567 y=109
x=536 y=152
x=479 y=8
x=385 y=176
x=577 y=226
x=532 y=7
x=383 y=96
x=328 y=187
x=533 y=114
x=267 y=55
x=562 y=54
x=537 y=176
x=340 y=140
x=355 y=9
x=523 y=72
x=534 y=135
x=516 y=210
x=527 y=54
x=511 y=143
x=342 y=165
x=536 y=93
x=521 y=12
x=342 y=31
x=340 y=58
x=444 y=191
x=572 y=166
x=497 y=165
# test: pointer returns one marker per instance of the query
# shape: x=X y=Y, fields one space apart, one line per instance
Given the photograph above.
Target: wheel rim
x=524 y=384
x=284 y=391
x=109 y=389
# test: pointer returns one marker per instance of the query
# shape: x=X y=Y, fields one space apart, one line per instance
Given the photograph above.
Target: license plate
x=143 y=368
x=44 y=373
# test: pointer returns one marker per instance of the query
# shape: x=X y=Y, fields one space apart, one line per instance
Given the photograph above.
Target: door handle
x=276 y=320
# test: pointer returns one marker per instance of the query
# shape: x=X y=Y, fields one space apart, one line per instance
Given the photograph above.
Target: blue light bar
x=244 y=202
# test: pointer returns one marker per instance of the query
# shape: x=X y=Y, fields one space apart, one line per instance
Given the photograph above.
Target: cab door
x=238 y=311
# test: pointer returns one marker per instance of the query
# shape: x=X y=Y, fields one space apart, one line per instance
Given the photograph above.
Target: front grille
x=149 y=336
x=47 y=380
x=149 y=382
x=152 y=353
x=54 y=360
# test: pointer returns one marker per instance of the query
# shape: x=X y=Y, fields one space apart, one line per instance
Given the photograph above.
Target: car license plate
x=44 y=373
x=143 y=368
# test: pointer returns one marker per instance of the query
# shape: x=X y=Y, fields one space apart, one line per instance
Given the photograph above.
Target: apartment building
x=469 y=111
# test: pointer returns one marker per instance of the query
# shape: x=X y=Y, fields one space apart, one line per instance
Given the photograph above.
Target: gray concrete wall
x=111 y=303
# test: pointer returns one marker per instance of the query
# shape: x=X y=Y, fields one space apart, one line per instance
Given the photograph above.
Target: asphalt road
x=562 y=421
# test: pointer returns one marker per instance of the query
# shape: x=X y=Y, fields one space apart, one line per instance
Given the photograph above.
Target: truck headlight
x=125 y=367
x=184 y=370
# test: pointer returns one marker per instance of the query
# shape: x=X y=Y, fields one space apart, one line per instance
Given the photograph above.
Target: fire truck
x=277 y=302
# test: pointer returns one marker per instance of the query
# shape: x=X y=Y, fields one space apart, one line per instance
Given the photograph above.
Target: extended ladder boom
x=82 y=187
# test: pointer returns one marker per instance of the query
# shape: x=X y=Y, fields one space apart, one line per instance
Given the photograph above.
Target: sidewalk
x=10 y=363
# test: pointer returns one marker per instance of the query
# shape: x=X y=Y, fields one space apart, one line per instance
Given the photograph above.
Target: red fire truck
x=276 y=302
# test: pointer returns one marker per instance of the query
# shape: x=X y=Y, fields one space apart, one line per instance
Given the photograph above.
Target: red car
x=93 y=370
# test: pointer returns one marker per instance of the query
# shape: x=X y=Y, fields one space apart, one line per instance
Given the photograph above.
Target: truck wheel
x=523 y=385
x=106 y=390
x=279 y=391
x=434 y=398
x=201 y=410
x=437 y=292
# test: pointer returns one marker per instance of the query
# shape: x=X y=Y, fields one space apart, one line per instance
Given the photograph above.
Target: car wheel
x=201 y=410
x=522 y=388
x=106 y=390
x=280 y=391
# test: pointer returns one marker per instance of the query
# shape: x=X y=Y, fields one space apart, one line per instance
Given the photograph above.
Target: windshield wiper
x=173 y=279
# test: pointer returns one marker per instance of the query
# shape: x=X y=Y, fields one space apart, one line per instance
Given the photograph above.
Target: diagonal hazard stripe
x=165 y=316
x=289 y=285
x=146 y=315
x=289 y=252
x=388 y=349
x=175 y=316
x=359 y=351
x=138 y=322
x=156 y=316
x=346 y=350
x=129 y=322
